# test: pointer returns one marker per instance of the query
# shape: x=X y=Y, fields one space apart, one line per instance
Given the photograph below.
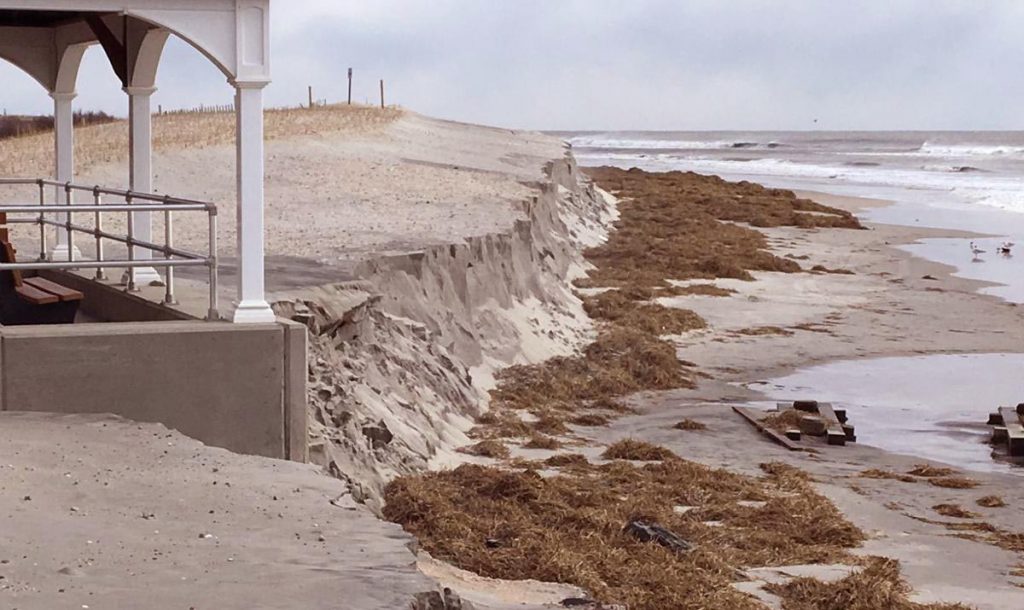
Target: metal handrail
x=172 y=256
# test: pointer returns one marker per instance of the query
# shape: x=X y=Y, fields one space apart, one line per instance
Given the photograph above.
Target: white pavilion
x=47 y=39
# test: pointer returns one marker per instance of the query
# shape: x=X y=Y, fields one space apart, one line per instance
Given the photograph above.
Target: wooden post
x=382 y=93
x=350 y=86
x=311 y=96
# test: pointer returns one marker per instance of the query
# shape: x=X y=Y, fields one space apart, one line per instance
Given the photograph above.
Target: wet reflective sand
x=934 y=407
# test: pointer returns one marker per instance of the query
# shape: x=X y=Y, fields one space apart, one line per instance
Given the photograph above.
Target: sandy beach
x=412 y=322
x=510 y=306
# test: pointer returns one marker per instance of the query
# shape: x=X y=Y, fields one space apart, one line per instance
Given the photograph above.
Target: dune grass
x=32 y=155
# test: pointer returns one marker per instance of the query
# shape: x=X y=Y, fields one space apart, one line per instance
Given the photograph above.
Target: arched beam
x=70 y=63
x=145 y=48
x=235 y=37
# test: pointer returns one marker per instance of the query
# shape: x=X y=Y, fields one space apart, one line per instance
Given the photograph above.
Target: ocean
x=974 y=168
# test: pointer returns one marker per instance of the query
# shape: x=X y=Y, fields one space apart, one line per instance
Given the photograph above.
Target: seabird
x=976 y=251
x=1006 y=248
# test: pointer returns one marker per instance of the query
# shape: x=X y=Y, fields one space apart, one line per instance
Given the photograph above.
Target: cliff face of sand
x=423 y=255
x=402 y=360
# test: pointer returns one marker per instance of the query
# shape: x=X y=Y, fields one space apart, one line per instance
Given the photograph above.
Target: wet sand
x=934 y=407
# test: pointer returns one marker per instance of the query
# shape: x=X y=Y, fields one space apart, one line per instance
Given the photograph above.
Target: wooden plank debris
x=750 y=415
x=1014 y=430
x=836 y=433
x=813 y=426
x=816 y=419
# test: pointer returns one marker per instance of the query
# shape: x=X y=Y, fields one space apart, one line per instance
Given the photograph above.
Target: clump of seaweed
x=762 y=331
x=929 y=472
x=877 y=473
x=690 y=425
x=704 y=290
x=787 y=419
x=590 y=420
x=879 y=585
x=489 y=448
x=566 y=459
x=624 y=308
x=681 y=225
x=954 y=482
x=636 y=450
x=569 y=527
x=991 y=502
x=539 y=441
x=621 y=361
x=955 y=511
x=824 y=269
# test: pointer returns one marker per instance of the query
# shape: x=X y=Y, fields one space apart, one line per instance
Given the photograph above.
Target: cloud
x=645 y=64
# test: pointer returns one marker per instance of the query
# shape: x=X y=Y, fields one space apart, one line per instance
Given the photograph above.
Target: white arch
x=144 y=57
x=233 y=34
x=235 y=38
x=70 y=63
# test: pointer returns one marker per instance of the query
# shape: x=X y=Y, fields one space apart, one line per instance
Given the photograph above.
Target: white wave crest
x=968 y=150
x=612 y=143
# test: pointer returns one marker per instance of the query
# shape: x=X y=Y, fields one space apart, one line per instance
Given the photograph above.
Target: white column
x=140 y=143
x=64 y=140
x=252 y=303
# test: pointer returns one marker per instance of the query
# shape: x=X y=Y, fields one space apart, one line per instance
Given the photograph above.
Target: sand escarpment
x=402 y=360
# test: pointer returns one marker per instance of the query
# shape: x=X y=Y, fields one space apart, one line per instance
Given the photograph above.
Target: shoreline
x=885 y=306
x=879 y=255
x=886 y=309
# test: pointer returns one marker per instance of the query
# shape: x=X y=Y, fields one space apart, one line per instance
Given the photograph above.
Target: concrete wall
x=239 y=387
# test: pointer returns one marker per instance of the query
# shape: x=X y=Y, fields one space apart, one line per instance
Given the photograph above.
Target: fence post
x=350 y=86
x=311 y=96
x=382 y=93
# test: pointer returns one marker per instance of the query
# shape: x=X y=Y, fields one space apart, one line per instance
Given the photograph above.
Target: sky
x=623 y=64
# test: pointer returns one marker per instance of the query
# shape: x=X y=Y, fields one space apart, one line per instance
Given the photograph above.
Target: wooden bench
x=34 y=300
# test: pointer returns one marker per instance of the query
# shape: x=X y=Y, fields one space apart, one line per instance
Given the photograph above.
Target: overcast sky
x=625 y=64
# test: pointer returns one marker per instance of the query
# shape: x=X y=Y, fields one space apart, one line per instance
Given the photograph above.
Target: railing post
x=213 y=314
x=168 y=243
x=131 y=244
x=97 y=200
x=42 y=219
x=67 y=225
